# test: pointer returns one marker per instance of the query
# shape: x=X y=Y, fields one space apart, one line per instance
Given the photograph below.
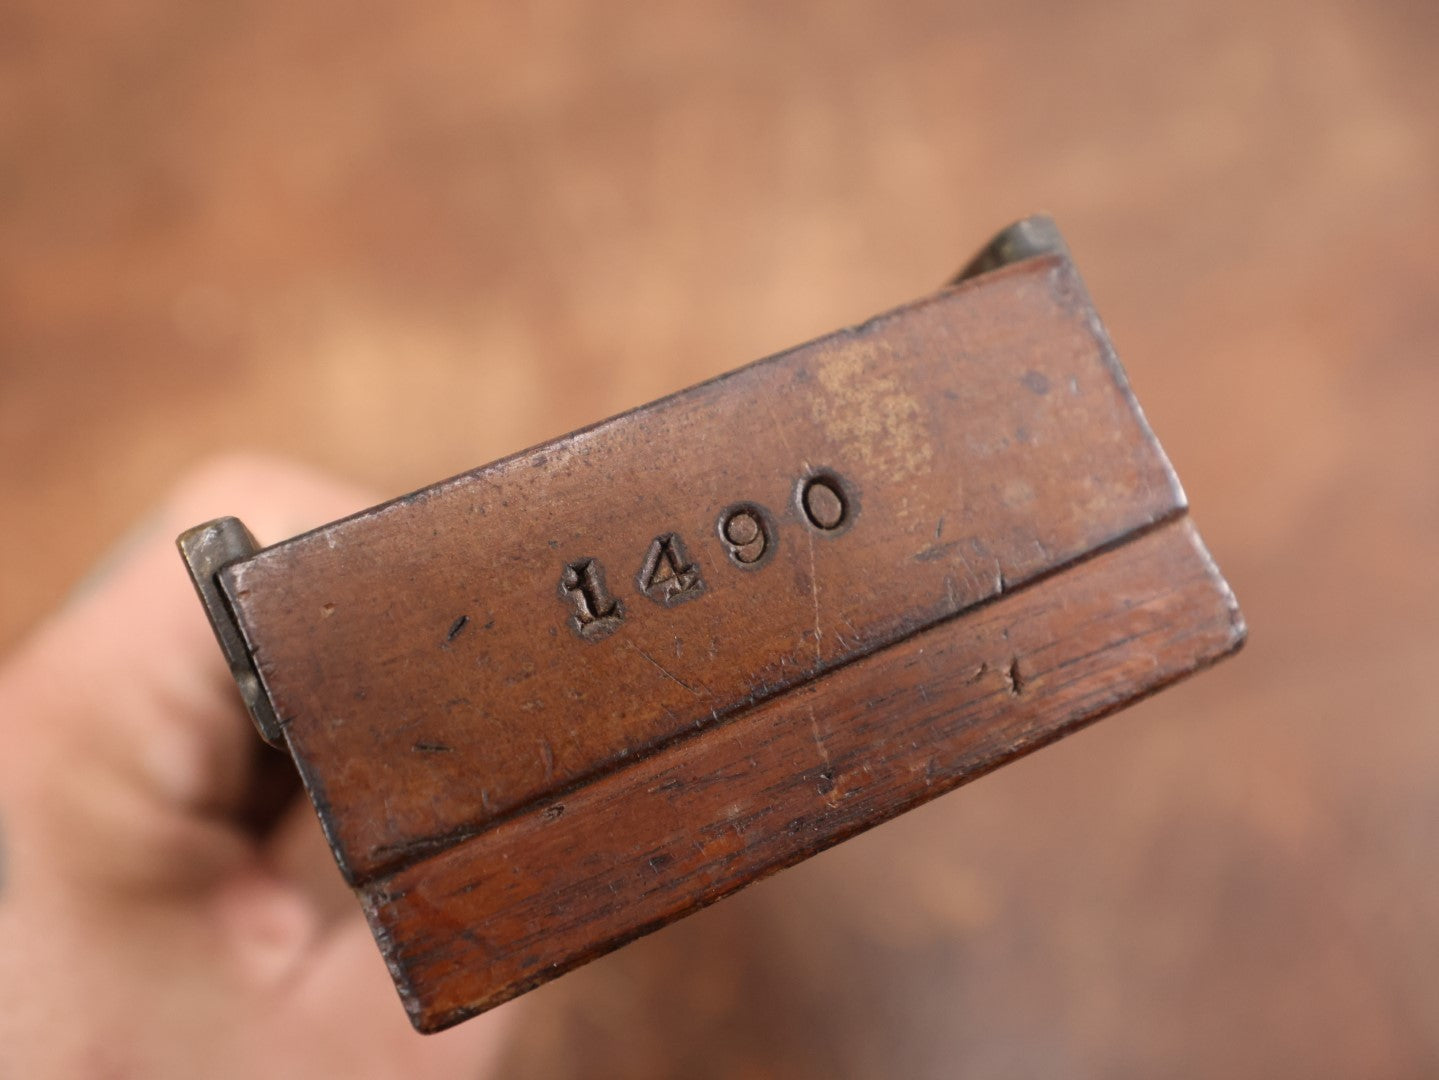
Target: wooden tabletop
x=399 y=243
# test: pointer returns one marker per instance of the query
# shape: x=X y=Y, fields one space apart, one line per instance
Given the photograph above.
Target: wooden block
x=554 y=703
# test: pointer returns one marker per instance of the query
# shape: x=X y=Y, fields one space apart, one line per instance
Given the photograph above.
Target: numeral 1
x=594 y=612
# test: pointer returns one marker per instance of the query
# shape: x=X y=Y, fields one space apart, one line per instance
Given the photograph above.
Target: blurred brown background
x=399 y=241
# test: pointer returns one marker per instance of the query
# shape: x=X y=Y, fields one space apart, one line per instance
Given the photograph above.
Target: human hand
x=145 y=930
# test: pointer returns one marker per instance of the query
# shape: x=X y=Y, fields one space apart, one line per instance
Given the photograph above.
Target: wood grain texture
x=652 y=842
x=423 y=657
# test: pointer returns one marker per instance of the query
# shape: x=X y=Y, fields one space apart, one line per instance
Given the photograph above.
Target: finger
x=296 y=851
x=126 y=686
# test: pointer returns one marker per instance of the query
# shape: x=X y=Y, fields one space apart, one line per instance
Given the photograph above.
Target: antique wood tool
x=547 y=706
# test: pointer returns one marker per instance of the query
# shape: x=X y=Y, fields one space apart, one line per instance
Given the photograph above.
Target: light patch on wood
x=872 y=412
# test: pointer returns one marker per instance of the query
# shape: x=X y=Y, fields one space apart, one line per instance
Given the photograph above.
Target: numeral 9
x=748 y=535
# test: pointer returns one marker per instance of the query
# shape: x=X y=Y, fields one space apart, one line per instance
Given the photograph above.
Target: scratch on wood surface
x=666 y=671
x=826 y=774
x=777 y=427
x=972 y=584
x=455 y=628
x=1013 y=680
x=818 y=738
x=814 y=595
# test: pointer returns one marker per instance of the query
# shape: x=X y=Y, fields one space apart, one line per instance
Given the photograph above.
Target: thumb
x=135 y=722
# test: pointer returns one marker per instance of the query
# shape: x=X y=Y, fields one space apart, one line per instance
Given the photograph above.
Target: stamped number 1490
x=668 y=576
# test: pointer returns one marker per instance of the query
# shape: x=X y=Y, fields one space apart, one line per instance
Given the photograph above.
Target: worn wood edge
x=1070 y=292
x=1225 y=632
x=1082 y=306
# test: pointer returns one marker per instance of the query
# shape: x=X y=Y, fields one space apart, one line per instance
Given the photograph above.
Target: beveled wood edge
x=1227 y=632
x=1056 y=259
